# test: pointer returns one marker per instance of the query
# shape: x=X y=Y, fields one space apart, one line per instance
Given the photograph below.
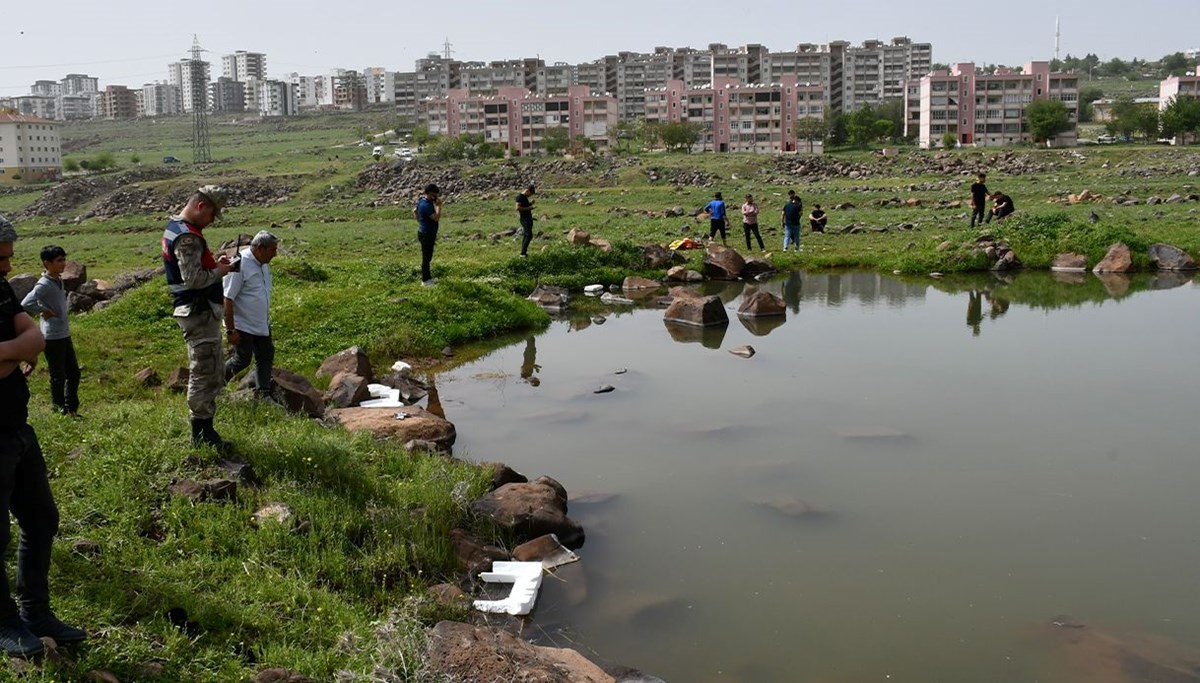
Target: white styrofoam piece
x=593 y=289
x=526 y=578
x=381 y=390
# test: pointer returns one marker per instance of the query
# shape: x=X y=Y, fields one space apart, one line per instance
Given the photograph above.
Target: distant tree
x=883 y=129
x=680 y=136
x=1145 y=121
x=893 y=111
x=362 y=131
x=1046 y=119
x=446 y=148
x=838 y=130
x=810 y=129
x=625 y=135
x=861 y=126
x=70 y=165
x=1088 y=95
x=556 y=140
x=1181 y=116
x=421 y=136
x=949 y=139
x=649 y=133
x=1176 y=64
x=103 y=161
x=135 y=159
x=1122 y=120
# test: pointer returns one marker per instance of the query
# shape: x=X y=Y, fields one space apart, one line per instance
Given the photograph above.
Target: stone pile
x=74 y=193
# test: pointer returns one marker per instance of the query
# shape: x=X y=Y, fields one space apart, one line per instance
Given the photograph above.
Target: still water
x=909 y=481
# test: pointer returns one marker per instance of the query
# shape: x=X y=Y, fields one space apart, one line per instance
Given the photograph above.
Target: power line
x=107 y=61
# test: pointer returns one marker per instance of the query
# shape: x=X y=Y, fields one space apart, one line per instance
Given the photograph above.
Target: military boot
x=209 y=436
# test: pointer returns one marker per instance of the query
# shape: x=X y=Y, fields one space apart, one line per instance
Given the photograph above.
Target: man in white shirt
x=247 y=312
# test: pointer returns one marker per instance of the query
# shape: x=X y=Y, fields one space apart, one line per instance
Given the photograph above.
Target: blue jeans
x=25 y=492
x=791 y=235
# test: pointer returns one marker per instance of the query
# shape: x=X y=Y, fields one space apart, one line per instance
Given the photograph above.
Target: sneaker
x=49 y=626
x=524 y=255
x=17 y=640
x=430 y=282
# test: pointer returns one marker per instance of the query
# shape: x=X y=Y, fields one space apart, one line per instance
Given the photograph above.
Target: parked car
x=171 y=160
x=1106 y=139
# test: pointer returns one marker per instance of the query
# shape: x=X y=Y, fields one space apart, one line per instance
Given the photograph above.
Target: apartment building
x=1178 y=86
x=193 y=80
x=79 y=84
x=518 y=119
x=160 y=99
x=275 y=98
x=119 y=102
x=36 y=106
x=989 y=109
x=306 y=89
x=30 y=149
x=227 y=95
x=46 y=88
x=75 y=107
x=244 y=66
x=740 y=117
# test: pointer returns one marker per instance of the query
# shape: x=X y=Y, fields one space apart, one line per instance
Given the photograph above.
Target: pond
x=910 y=480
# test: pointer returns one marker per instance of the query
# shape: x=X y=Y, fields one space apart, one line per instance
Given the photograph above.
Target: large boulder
x=555 y=299
x=633 y=282
x=417 y=424
x=757 y=266
x=1117 y=260
x=531 y=510
x=462 y=652
x=577 y=236
x=762 y=303
x=655 y=256
x=352 y=360
x=705 y=312
x=74 y=275
x=22 y=285
x=1069 y=262
x=297 y=393
x=347 y=389
x=722 y=263
x=683 y=274
x=1167 y=257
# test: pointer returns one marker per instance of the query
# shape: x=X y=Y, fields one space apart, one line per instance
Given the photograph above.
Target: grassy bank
x=339 y=594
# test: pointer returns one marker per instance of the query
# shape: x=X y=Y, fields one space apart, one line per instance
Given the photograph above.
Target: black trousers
x=25 y=492
x=262 y=348
x=526 y=234
x=752 y=228
x=427 y=240
x=64 y=374
x=716 y=224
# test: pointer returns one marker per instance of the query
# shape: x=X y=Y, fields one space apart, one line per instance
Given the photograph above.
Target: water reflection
x=529 y=363
x=711 y=337
x=761 y=326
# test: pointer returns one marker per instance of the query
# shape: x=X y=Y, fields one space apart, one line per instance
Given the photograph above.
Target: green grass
x=345 y=596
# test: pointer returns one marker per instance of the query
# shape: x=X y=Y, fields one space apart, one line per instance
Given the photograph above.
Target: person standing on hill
x=716 y=217
x=793 y=212
x=194 y=279
x=428 y=213
x=750 y=223
x=525 y=214
x=248 y=312
x=48 y=299
x=979 y=196
x=24 y=487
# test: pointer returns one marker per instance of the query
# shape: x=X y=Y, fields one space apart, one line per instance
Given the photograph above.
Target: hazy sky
x=130 y=42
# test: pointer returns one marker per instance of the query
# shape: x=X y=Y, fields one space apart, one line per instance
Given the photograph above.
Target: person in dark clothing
x=428 y=214
x=24 y=487
x=979 y=196
x=525 y=213
x=793 y=212
x=1003 y=206
x=716 y=217
x=817 y=219
x=48 y=300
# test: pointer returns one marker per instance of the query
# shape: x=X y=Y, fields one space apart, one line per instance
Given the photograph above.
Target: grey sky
x=130 y=42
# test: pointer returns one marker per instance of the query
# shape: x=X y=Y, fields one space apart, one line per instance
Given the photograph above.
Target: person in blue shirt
x=716 y=217
x=428 y=214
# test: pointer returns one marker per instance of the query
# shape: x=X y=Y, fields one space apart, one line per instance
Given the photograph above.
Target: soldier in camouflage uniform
x=194 y=278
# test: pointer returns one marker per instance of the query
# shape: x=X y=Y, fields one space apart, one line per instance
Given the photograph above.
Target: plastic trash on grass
x=526 y=578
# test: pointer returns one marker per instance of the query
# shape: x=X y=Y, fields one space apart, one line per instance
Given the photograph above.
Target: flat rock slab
x=479 y=653
x=419 y=424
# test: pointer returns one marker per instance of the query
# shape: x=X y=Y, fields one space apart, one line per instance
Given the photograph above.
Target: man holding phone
x=428 y=214
x=194 y=280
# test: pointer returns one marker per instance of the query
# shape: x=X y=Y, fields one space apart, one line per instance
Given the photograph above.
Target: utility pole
x=199 y=84
x=446 y=51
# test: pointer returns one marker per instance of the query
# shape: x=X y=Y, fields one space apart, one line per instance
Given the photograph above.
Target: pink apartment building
x=518 y=119
x=737 y=117
x=1178 y=86
x=989 y=109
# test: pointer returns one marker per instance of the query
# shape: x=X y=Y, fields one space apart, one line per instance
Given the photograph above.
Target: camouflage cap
x=7 y=233
x=216 y=196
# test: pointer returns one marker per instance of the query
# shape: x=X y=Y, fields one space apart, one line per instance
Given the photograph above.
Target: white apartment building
x=989 y=109
x=30 y=149
x=36 y=106
x=307 y=90
x=75 y=107
x=192 y=81
x=244 y=66
x=46 y=88
x=276 y=98
x=79 y=84
x=160 y=99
